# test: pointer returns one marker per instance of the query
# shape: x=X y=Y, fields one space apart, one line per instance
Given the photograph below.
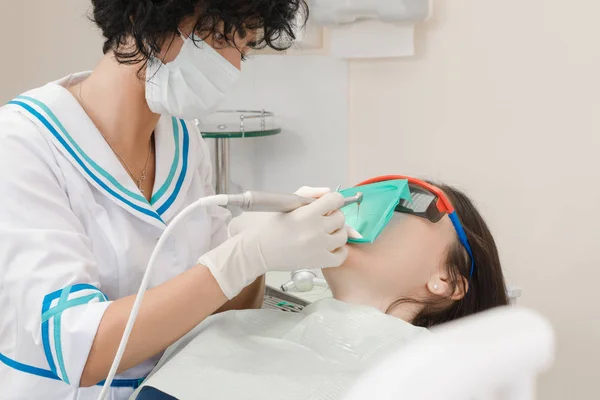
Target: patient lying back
x=416 y=275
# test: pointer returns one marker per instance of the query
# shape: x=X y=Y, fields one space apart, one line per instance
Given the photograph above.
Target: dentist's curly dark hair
x=147 y=23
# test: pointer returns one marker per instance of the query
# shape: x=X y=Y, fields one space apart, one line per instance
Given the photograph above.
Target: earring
x=435 y=287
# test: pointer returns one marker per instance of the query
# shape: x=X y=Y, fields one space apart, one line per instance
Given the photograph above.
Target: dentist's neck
x=114 y=98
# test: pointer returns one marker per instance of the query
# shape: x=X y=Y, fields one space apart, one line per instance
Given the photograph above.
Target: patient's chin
x=336 y=276
x=329 y=273
x=332 y=275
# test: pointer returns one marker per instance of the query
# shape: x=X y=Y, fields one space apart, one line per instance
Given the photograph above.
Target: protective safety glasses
x=428 y=202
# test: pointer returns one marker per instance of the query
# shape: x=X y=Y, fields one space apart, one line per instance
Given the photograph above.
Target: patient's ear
x=461 y=289
x=439 y=285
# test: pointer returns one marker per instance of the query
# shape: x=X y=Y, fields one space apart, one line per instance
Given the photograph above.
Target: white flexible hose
x=218 y=200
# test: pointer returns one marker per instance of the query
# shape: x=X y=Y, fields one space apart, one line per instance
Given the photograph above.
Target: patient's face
x=399 y=264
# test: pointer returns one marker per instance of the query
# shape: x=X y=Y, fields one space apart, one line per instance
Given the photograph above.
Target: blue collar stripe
x=99 y=169
x=103 y=185
x=186 y=148
x=160 y=192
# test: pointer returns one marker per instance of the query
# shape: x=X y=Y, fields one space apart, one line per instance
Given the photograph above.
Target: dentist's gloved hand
x=307 y=191
x=310 y=237
x=254 y=219
x=314 y=192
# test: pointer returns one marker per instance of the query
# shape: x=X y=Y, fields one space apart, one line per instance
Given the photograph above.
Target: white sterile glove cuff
x=236 y=263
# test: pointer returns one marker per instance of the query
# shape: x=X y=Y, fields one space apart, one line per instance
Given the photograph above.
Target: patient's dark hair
x=149 y=22
x=487 y=288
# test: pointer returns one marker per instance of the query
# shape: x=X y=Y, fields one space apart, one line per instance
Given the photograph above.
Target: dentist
x=94 y=167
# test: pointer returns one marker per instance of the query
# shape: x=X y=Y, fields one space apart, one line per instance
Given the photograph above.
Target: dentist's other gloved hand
x=254 y=219
x=310 y=237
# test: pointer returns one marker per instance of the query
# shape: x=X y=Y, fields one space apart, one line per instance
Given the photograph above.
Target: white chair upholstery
x=495 y=355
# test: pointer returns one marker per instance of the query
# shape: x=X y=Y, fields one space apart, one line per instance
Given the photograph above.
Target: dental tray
x=278 y=300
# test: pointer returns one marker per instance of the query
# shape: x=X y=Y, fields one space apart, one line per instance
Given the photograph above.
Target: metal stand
x=222 y=165
x=247 y=124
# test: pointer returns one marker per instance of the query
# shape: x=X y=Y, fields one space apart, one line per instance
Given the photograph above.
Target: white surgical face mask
x=193 y=85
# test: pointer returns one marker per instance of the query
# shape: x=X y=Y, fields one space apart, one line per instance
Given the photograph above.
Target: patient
x=416 y=275
x=418 y=271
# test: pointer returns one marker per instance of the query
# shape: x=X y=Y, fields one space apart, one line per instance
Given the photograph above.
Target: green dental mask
x=379 y=202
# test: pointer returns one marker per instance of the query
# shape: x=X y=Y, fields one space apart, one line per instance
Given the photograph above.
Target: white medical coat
x=76 y=233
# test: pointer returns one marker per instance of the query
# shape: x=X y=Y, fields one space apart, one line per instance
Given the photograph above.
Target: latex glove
x=250 y=220
x=310 y=237
x=314 y=192
x=307 y=191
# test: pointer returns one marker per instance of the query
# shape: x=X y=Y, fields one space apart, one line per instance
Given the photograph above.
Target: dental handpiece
x=278 y=202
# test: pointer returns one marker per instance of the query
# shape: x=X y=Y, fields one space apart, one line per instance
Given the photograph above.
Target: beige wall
x=43 y=41
x=503 y=100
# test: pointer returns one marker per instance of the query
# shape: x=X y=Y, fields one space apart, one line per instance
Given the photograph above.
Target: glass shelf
x=230 y=124
x=232 y=135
